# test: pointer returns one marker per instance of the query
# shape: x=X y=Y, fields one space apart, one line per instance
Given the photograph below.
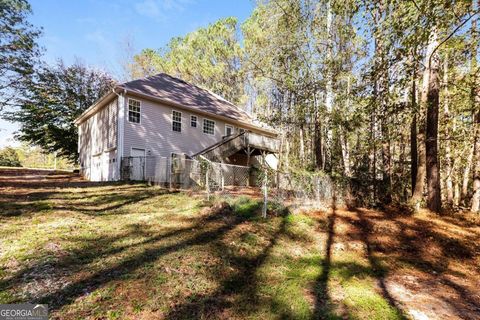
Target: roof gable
x=177 y=91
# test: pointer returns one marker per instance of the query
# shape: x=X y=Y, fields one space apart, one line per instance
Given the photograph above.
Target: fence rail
x=213 y=178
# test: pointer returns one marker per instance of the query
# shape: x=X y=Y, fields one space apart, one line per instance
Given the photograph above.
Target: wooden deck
x=252 y=143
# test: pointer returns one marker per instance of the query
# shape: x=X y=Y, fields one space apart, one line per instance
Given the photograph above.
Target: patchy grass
x=129 y=251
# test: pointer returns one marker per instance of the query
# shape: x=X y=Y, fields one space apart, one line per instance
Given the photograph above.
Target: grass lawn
x=120 y=251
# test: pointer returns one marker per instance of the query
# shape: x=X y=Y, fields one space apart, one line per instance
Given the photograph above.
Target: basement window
x=208 y=126
x=176 y=121
x=133 y=111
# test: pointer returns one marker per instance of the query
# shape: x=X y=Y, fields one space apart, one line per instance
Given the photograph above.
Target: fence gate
x=137 y=171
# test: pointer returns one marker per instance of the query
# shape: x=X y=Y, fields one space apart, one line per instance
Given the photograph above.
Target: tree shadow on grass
x=426 y=252
x=205 y=231
x=346 y=270
x=95 y=202
x=378 y=269
x=240 y=290
x=323 y=301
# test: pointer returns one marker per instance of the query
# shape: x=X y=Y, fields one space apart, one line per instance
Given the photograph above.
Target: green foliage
x=209 y=57
x=19 y=50
x=9 y=157
x=246 y=207
x=35 y=157
x=53 y=99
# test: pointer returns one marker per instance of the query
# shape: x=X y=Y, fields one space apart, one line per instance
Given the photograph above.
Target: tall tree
x=19 y=51
x=475 y=92
x=431 y=135
x=54 y=98
x=209 y=57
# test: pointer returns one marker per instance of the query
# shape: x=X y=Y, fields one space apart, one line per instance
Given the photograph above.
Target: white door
x=96 y=168
x=138 y=164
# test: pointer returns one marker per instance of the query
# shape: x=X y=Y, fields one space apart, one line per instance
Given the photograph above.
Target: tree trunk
x=345 y=154
x=373 y=156
x=466 y=173
x=413 y=152
x=318 y=137
x=476 y=171
x=329 y=96
x=413 y=134
x=386 y=161
x=302 y=144
x=344 y=139
x=434 y=201
x=448 y=151
x=475 y=90
x=417 y=196
x=456 y=192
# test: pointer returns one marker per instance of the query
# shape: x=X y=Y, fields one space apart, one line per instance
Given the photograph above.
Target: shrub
x=9 y=157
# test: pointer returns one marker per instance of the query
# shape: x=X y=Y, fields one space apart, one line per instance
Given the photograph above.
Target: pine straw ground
x=119 y=251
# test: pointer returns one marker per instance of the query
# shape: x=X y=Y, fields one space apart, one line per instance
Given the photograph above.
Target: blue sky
x=94 y=30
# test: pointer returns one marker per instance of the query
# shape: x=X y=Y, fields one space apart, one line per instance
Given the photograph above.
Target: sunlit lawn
x=140 y=252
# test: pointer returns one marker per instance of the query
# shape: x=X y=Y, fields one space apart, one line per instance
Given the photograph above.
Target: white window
x=176 y=121
x=241 y=130
x=193 y=121
x=133 y=111
x=228 y=130
x=208 y=126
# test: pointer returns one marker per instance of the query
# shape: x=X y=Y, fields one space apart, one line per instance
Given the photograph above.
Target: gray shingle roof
x=177 y=91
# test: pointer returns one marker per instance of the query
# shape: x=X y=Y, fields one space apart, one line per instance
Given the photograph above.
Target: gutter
x=100 y=103
x=207 y=114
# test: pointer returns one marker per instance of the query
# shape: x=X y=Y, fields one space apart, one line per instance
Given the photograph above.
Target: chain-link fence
x=213 y=179
x=302 y=189
x=182 y=173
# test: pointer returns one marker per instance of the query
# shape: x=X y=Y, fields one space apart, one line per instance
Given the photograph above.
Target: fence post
x=207 y=184
x=222 y=178
x=144 y=168
x=264 y=209
x=170 y=172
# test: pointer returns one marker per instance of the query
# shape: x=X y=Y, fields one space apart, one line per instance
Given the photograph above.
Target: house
x=163 y=116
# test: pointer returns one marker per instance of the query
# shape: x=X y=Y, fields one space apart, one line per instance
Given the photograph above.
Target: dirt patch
x=427 y=266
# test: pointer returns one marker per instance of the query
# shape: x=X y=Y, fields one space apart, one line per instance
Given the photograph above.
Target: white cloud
x=158 y=9
x=148 y=8
x=96 y=36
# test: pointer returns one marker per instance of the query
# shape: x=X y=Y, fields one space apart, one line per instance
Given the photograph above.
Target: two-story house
x=160 y=116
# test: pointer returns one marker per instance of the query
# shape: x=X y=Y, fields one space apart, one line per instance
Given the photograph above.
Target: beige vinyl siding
x=154 y=132
x=97 y=142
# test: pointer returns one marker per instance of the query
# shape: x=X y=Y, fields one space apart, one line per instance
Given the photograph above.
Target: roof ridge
x=209 y=91
x=144 y=78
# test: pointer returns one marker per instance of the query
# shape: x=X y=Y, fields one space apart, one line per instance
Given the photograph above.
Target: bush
x=9 y=157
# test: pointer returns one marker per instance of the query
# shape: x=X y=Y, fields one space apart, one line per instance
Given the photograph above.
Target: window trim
x=203 y=127
x=173 y=121
x=191 y=121
x=232 y=129
x=139 y=112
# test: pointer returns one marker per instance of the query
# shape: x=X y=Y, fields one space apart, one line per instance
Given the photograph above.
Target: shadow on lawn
x=203 y=232
x=416 y=244
x=238 y=291
x=101 y=201
x=323 y=303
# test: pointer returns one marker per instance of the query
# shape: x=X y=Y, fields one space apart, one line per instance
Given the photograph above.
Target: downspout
x=120 y=129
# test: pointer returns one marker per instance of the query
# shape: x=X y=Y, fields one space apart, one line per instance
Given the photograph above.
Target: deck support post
x=249 y=152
